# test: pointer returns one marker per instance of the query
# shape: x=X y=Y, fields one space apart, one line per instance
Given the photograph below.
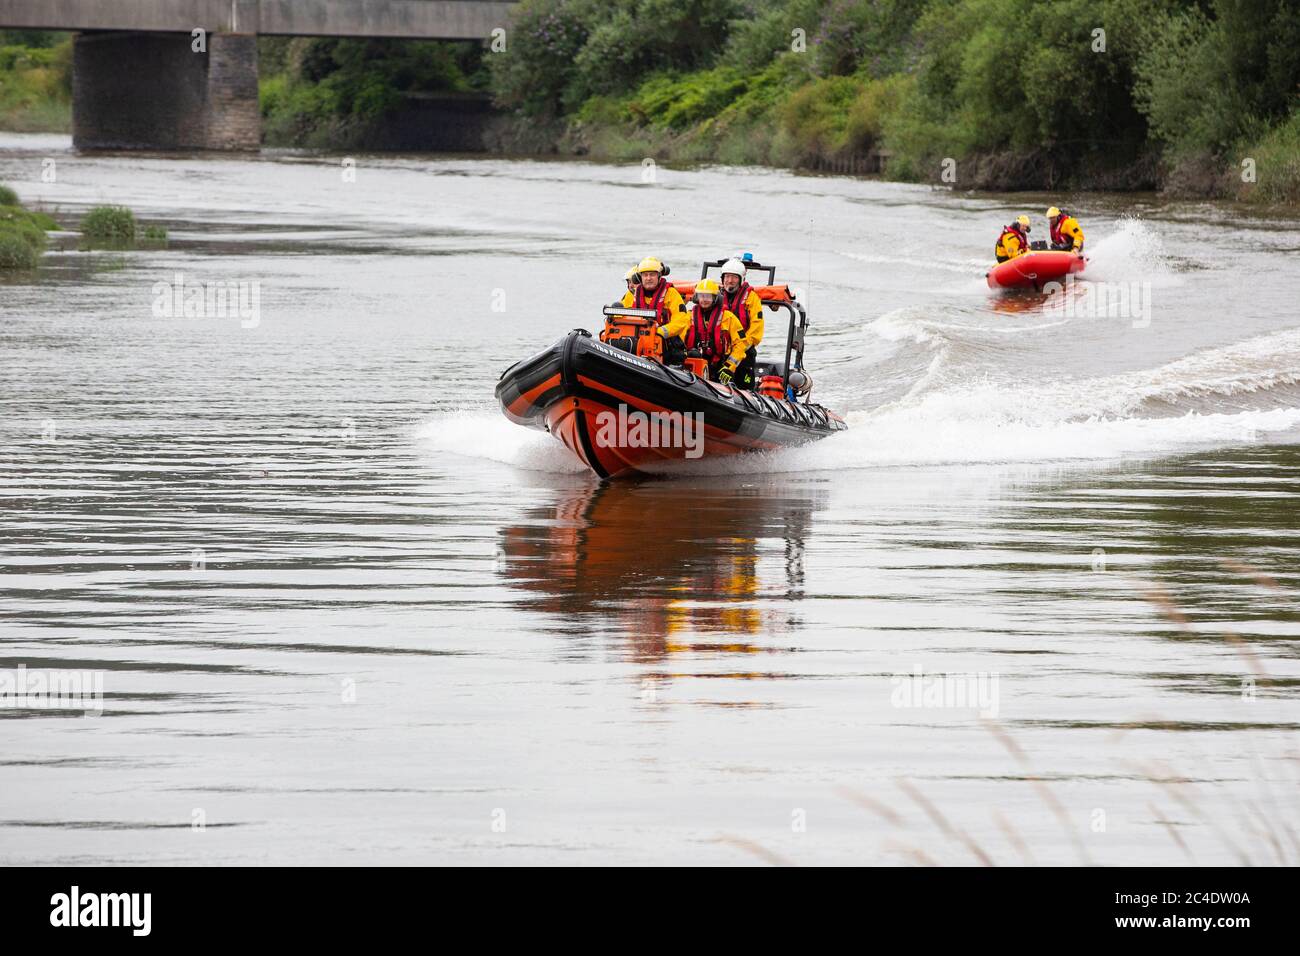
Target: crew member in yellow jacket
x=744 y=303
x=654 y=292
x=1014 y=240
x=1066 y=233
x=716 y=332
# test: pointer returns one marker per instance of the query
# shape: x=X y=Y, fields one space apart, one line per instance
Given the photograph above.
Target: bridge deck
x=414 y=19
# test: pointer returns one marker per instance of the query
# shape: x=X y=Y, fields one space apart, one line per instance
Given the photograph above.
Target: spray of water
x=1133 y=252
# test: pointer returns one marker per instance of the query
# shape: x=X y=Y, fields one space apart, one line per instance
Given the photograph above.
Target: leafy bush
x=109 y=223
x=816 y=116
x=1277 y=164
x=39 y=39
x=1020 y=78
x=35 y=81
x=918 y=134
x=1187 y=115
x=562 y=52
x=876 y=105
x=1210 y=78
x=755 y=40
x=15 y=252
x=534 y=73
x=22 y=237
x=40 y=220
x=311 y=87
x=369 y=77
x=765 y=92
x=865 y=36
x=290 y=107
x=7 y=196
x=17 y=216
x=21 y=223
x=681 y=102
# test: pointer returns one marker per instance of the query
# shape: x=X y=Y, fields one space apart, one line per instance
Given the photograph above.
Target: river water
x=1037 y=605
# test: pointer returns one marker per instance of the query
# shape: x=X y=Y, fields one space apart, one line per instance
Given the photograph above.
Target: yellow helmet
x=651 y=264
x=1025 y=224
x=630 y=274
x=1053 y=213
x=707 y=286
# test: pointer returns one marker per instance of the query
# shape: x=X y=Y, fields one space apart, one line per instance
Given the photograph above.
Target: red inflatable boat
x=1034 y=270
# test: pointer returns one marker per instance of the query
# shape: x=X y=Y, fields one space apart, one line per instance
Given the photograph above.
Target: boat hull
x=1034 y=270
x=619 y=413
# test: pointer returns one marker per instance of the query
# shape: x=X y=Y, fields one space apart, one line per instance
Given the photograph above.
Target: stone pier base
x=153 y=91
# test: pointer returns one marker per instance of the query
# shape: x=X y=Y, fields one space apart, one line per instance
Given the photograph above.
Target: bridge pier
x=153 y=91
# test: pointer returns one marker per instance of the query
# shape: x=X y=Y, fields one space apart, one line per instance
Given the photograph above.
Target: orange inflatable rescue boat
x=619 y=408
x=1034 y=269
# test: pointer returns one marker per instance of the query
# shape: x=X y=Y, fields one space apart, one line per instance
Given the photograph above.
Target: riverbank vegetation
x=22 y=232
x=109 y=223
x=115 y=227
x=1195 y=97
x=35 y=81
x=997 y=94
x=332 y=93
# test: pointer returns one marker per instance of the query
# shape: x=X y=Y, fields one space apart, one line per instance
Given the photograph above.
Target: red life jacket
x=707 y=330
x=736 y=303
x=1057 y=238
x=655 y=302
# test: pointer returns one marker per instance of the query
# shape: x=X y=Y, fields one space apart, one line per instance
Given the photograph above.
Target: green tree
x=561 y=52
x=1212 y=76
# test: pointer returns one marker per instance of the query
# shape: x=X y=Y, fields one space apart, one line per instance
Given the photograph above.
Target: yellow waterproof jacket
x=1068 y=232
x=733 y=331
x=752 y=334
x=673 y=306
x=1010 y=244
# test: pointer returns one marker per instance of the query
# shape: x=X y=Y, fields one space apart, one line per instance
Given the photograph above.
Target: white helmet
x=734 y=267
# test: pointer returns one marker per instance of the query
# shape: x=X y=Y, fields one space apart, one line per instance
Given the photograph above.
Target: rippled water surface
x=345 y=612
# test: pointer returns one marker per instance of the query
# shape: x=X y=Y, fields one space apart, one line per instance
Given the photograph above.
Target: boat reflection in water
x=688 y=564
x=1079 y=297
x=1018 y=301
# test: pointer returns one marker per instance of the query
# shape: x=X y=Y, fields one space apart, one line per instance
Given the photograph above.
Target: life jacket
x=655 y=301
x=707 y=333
x=736 y=303
x=1012 y=230
x=1057 y=238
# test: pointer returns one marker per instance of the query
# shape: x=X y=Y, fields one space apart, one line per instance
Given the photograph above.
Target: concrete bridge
x=143 y=79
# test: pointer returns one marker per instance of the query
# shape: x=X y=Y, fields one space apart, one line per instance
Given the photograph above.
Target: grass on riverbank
x=23 y=239
x=115 y=227
x=110 y=223
x=775 y=117
x=1276 y=166
x=22 y=232
x=35 y=82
